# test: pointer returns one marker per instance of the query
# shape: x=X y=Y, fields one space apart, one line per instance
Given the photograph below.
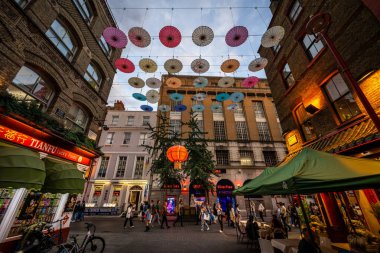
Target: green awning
x=62 y=178
x=313 y=171
x=21 y=168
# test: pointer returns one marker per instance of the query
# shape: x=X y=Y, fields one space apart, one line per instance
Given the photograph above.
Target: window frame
x=60 y=40
x=144 y=140
x=85 y=112
x=101 y=169
x=22 y=3
x=129 y=139
x=273 y=162
x=312 y=45
x=142 y=167
x=220 y=136
x=251 y=156
x=120 y=170
x=113 y=117
x=285 y=78
x=81 y=11
x=130 y=122
x=293 y=19
x=97 y=71
x=226 y=159
x=264 y=134
x=241 y=131
x=107 y=49
x=110 y=141
x=302 y=126
x=146 y=122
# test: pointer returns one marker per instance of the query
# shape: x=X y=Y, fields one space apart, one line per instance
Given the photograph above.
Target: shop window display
x=6 y=195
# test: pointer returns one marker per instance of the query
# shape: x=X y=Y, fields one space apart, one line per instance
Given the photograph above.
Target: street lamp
x=318 y=26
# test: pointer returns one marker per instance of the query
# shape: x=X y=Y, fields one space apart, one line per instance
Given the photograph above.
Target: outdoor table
x=285 y=245
x=324 y=250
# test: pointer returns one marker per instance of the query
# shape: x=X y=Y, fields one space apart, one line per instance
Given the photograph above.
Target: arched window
x=30 y=86
x=93 y=76
x=104 y=45
x=77 y=118
x=61 y=38
x=84 y=9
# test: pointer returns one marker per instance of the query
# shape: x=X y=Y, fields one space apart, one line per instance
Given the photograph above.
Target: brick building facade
x=316 y=104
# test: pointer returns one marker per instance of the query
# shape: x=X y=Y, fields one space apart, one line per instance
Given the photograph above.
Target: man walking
x=283 y=216
x=164 y=213
x=179 y=212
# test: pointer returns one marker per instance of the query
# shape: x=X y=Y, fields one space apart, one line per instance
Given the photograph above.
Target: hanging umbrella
x=170 y=36
x=202 y=36
x=115 y=37
x=233 y=107
x=173 y=66
x=257 y=64
x=136 y=82
x=139 y=36
x=146 y=108
x=164 y=108
x=226 y=82
x=222 y=97
x=216 y=107
x=199 y=96
x=230 y=65
x=148 y=65
x=139 y=96
x=153 y=83
x=272 y=36
x=200 y=66
x=198 y=108
x=200 y=82
x=152 y=96
x=176 y=97
x=124 y=65
x=236 y=36
x=174 y=82
x=250 y=81
x=180 y=108
x=236 y=97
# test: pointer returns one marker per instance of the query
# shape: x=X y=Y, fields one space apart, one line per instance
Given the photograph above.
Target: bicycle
x=91 y=243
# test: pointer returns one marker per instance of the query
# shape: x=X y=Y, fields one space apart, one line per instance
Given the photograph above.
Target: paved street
x=176 y=239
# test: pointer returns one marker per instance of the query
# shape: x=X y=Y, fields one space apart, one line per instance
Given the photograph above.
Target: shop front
x=172 y=191
x=224 y=189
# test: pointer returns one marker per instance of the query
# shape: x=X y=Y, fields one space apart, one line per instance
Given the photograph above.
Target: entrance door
x=134 y=197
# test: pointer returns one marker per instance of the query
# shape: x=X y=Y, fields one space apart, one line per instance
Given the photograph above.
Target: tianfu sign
x=33 y=143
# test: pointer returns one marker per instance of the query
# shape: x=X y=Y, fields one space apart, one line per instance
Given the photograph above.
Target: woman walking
x=164 y=213
x=129 y=216
x=148 y=219
x=219 y=213
x=205 y=217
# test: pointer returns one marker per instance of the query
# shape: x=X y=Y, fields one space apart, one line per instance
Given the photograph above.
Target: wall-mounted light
x=311 y=109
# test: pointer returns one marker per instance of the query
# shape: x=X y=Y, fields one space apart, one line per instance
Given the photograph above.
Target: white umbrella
x=153 y=83
x=272 y=36
x=152 y=96
x=226 y=82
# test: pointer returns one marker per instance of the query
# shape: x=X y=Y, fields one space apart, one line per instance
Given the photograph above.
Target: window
x=312 y=47
x=103 y=167
x=127 y=138
x=200 y=125
x=115 y=120
x=241 y=130
x=239 y=110
x=295 y=11
x=139 y=167
x=259 y=109
x=104 y=45
x=130 y=120
x=77 y=118
x=109 y=139
x=22 y=3
x=84 y=9
x=264 y=133
x=276 y=49
x=146 y=120
x=222 y=157
x=219 y=130
x=175 y=126
x=29 y=86
x=246 y=157
x=287 y=76
x=143 y=138
x=93 y=76
x=341 y=98
x=270 y=158
x=305 y=123
x=61 y=38
x=121 y=166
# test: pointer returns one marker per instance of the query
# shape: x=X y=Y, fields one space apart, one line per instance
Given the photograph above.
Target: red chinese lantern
x=177 y=154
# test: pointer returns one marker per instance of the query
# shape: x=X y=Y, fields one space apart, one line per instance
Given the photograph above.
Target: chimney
x=119 y=105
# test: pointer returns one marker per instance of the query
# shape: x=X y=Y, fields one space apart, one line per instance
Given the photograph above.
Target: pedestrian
x=228 y=214
x=156 y=213
x=148 y=219
x=237 y=214
x=141 y=212
x=232 y=216
x=205 y=217
x=278 y=230
x=163 y=214
x=197 y=213
x=284 y=215
x=252 y=207
x=278 y=211
x=261 y=211
x=129 y=216
x=293 y=215
x=81 y=210
x=252 y=229
x=76 y=212
x=219 y=213
x=179 y=212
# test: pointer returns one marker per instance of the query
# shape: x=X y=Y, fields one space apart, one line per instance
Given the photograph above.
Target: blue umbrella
x=222 y=97
x=164 y=108
x=180 y=108
x=236 y=97
x=198 y=108
x=233 y=107
x=146 y=108
x=215 y=107
x=139 y=96
x=199 y=96
x=200 y=82
x=176 y=97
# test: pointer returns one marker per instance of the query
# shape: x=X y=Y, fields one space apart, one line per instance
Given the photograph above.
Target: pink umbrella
x=250 y=82
x=124 y=65
x=236 y=36
x=170 y=36
x=115 y=37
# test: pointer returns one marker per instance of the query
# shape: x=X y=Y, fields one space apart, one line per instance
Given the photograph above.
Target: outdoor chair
x=240 y=233
x=266 y=246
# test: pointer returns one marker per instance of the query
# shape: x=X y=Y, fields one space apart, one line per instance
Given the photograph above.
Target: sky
x=187 y=15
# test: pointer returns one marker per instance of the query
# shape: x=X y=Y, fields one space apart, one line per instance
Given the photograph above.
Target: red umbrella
x=124 y=65
x=236 y=36
x=170 y=36
x=115 y=37
x=250 y=82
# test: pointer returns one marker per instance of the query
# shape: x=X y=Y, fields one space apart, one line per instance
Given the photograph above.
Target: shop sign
x=30 y=142
x=97 y=193
x=220 y=171
x=224 y=187
x=171 y=186
x=197 y=186
x=116 y=193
